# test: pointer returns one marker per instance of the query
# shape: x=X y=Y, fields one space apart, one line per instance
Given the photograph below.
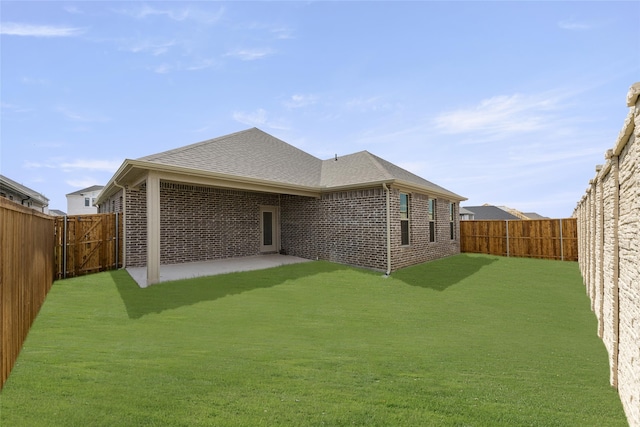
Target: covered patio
x=190 y=270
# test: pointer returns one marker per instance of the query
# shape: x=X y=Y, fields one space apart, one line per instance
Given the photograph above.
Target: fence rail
x=541 y=238
x=87 y=244
x=26 y=257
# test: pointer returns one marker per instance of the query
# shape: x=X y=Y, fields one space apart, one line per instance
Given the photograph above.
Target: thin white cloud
x=81 y=117
x=84 y=182
x=92 y=164
x=259 y=118
x=499 y=115
x=34 y=81
x=29 y=30
x=201 y=64
x=98 y=165
x=73 y=10
x=250 y=54
x=573 y=25
x=300 y=100
x=177 y=14
x=14 y=108
x=146 y=46
x=282 y=33
x=364 y=105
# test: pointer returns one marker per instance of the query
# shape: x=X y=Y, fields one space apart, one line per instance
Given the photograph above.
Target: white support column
x=153 y=228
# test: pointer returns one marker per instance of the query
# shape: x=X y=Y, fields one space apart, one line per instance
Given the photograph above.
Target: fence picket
x=538 y=238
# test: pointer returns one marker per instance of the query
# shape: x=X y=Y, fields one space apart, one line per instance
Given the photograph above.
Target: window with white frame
x=432 y=220
x=452 y=224
x=87 y=201
x=404 y=219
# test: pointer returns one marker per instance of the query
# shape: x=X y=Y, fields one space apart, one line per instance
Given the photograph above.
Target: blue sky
x=507 y=103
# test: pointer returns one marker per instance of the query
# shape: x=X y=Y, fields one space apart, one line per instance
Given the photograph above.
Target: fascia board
x=194 y=176
x=428 y=191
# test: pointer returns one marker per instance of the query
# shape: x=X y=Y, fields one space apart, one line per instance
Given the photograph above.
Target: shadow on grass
x=171 y=295
x=443 y=273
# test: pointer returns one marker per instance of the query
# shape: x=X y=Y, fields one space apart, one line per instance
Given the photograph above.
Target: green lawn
x=470 y=340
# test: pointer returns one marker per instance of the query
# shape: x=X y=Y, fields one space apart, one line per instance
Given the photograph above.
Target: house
x=466 y=214
x=488 y=212
x=23 y=195
x=534 y=215
x=83 y=201
x=57 y=212
x=250 y=193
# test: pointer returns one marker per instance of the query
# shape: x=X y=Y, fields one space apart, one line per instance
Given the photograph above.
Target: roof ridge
x=376 y=161
x=188 y=147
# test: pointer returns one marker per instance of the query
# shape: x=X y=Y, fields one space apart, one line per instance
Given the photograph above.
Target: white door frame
x=274 y=239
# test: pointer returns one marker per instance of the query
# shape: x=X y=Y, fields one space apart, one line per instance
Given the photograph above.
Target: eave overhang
x=133 y=173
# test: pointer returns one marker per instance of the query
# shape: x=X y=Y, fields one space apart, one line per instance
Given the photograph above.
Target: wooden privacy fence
x=539 y=238
x=26 y=275
x=87 y=244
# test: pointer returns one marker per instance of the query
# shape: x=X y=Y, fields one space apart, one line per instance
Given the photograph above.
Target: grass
x=469 y=340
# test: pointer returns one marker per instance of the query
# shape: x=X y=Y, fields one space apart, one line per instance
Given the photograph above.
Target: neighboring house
x=83 y=201
x=533 y=215
x=488 y=212
x=466 y=214
x=56 y=212
x=249 y=193
x=23 y=195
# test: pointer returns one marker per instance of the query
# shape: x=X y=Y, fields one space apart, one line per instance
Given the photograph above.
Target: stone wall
x=609 y=256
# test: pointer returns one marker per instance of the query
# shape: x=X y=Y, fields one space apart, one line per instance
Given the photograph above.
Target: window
x=452 y=223
x=93 y=201
x=404 y=219
x=86 y=201
x=432 y=220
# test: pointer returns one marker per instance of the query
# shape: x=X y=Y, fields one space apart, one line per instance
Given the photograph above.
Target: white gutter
x=388 y=191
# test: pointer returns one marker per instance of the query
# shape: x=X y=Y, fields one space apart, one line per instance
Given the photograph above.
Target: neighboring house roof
x=253 y=157
x=86 y=190
x=489 y=212
x=7 y=184
x=56 y=212
x=464 y=211
x=533 y=215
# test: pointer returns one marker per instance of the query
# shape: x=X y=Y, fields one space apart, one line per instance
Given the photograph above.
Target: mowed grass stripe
x=468 y=340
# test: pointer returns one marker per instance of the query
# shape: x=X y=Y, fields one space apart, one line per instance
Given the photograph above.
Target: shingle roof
x=10 y=184
x=250 y=153
x=86 y=190
x=534 y=215
x=257 y=155
x=364 y=167
x=489 y=212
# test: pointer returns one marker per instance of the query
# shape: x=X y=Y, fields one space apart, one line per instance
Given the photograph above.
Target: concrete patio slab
x=211 y=268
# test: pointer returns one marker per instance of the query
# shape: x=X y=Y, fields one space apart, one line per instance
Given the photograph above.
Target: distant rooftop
x=86 y=190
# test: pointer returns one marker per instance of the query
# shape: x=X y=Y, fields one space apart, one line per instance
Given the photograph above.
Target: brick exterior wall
x=609 y=257
x=349 y=227
x=196 y=223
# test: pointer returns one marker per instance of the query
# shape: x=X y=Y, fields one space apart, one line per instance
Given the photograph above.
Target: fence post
x=506 y=222
x=561 y=243
x=64 y=250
